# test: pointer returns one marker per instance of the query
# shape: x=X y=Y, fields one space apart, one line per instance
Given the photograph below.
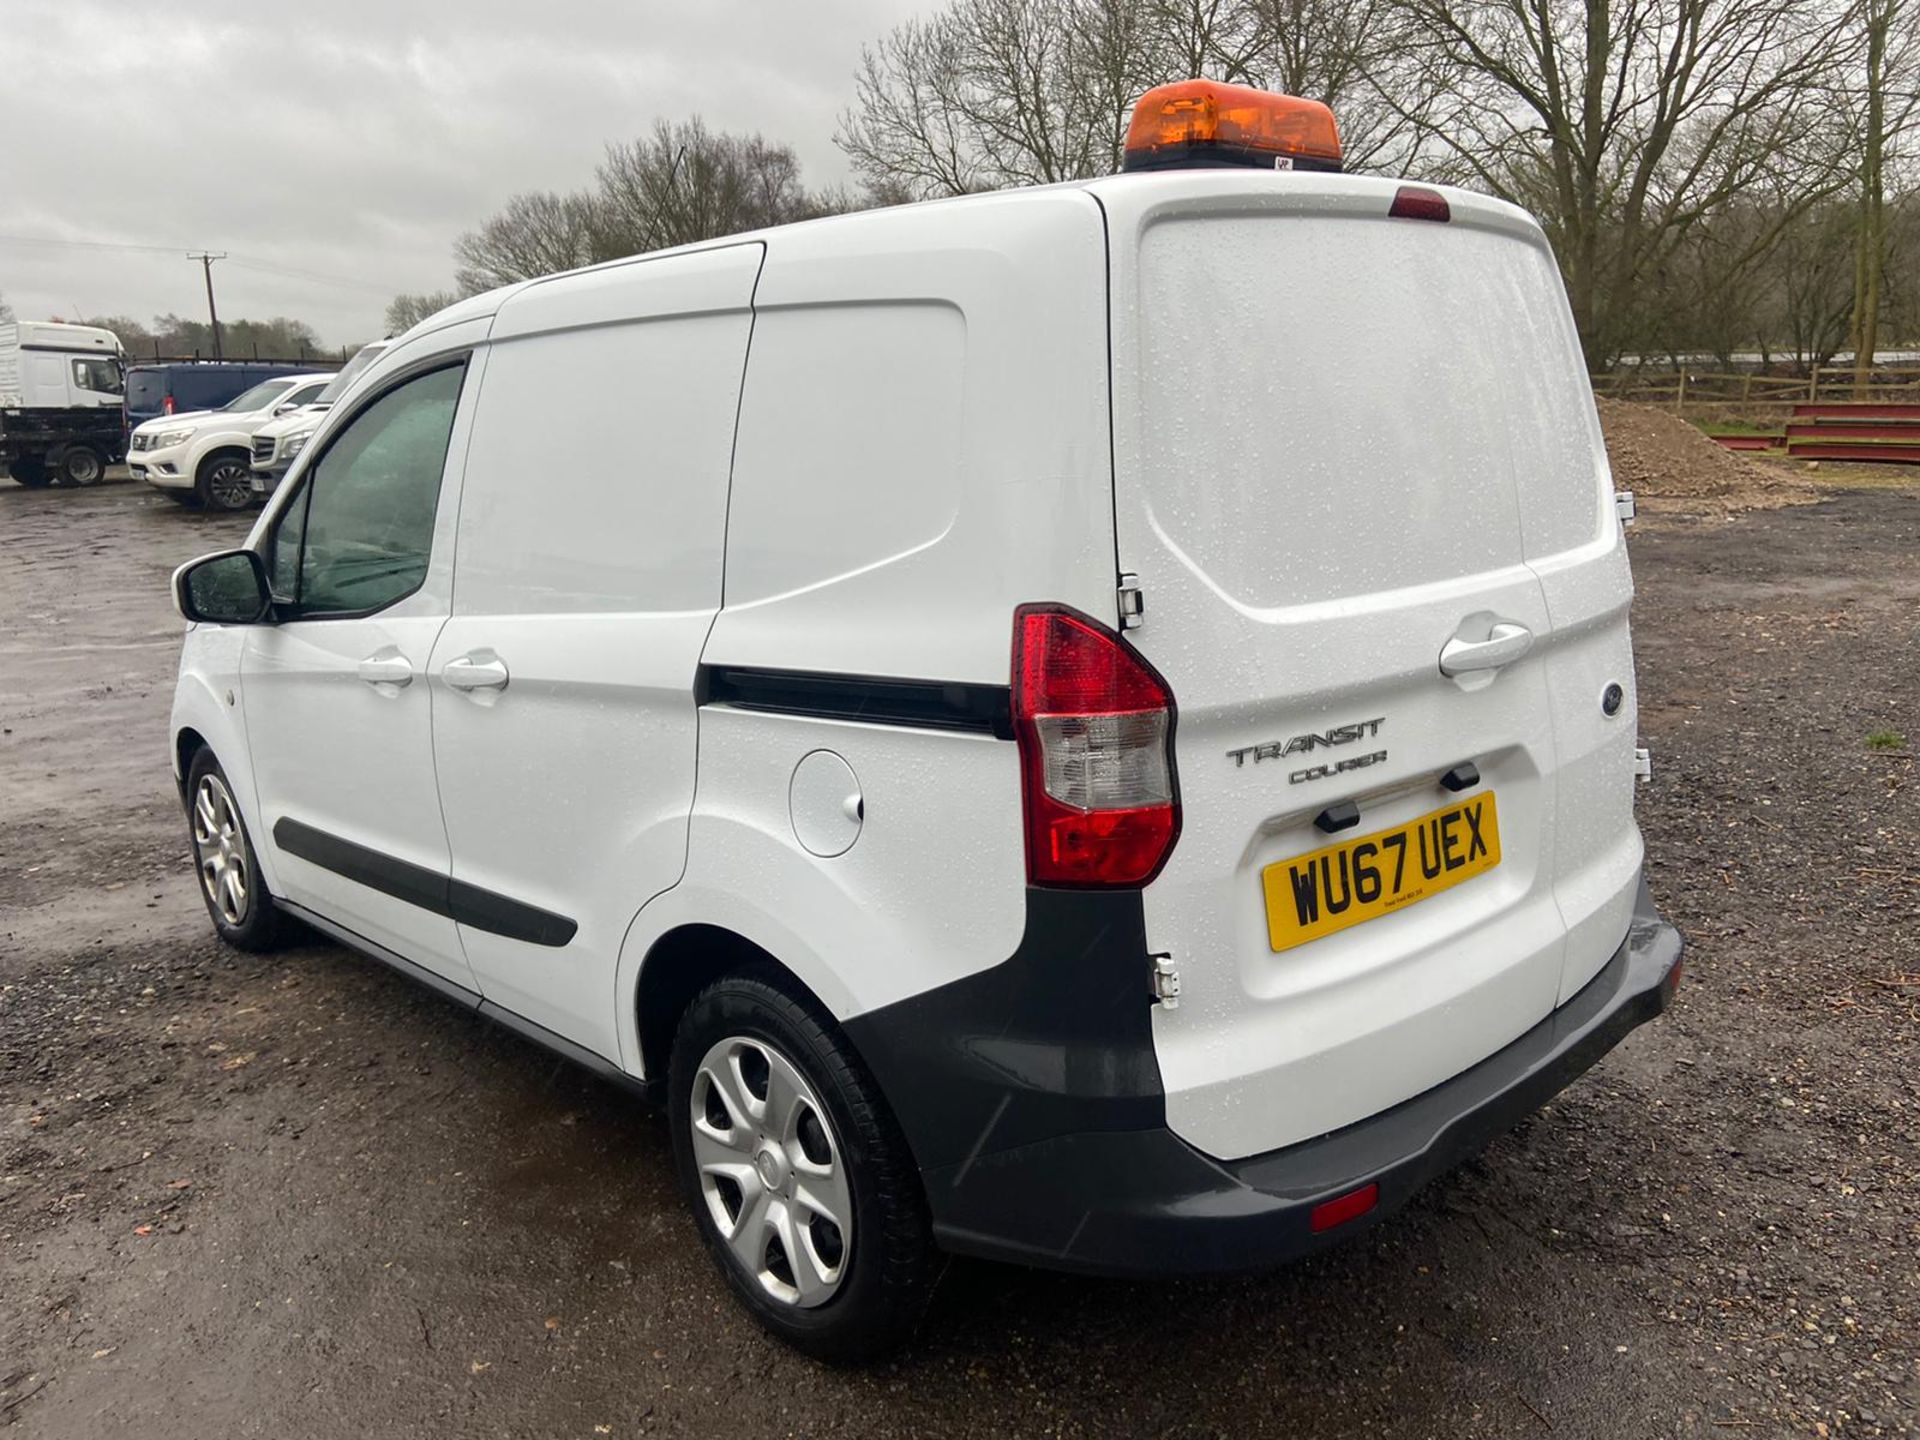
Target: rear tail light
x=1095 y=725
x=167 y=405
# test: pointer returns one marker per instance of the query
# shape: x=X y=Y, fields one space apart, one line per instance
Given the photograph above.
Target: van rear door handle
x=386 y=667
x=476 y=670
x=1506 y=642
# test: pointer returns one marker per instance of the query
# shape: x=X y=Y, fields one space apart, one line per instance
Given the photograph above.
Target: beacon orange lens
x=1207 y=123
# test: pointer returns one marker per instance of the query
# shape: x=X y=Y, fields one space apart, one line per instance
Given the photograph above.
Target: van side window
x=363 y=525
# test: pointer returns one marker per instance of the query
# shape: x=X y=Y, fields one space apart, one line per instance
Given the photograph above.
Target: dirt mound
x=1665 y=460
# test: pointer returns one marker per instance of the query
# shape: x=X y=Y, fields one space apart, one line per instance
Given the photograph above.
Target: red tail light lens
x=1095 y=725
x=1413 y=202
x=167 y=405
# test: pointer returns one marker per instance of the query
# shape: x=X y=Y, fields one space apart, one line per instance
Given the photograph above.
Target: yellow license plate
x=1363 y=878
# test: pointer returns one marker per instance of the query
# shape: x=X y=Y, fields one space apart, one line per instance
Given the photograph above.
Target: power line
x=246 y=262
x=86 y=244
x=272 y=269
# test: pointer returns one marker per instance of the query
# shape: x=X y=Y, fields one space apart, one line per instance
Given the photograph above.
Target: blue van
x=174 y=389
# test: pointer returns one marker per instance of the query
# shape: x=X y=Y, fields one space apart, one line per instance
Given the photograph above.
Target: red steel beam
x=1864 y=454
x=1880 y=433
x=1846 y=410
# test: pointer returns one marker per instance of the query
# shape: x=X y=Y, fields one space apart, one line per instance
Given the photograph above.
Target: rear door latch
x=1133 y=603
x=1623 y=506
x=1166 y=982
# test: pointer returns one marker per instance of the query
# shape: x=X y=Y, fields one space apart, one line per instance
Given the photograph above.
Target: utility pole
x=206 y=259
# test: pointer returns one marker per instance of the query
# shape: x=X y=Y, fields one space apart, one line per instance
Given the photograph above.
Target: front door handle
x=1506 y=642
x=476 y=670
x=386 y=667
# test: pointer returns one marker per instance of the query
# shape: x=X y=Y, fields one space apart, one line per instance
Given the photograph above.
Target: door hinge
x=1642 y=764
x=1133 y=603
x=1623 y=506
x=1166 y=982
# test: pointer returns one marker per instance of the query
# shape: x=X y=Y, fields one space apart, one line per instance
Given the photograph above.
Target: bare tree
x=990 y=93
x=1353 y=56
x=685 y=183
x=406 y=311
x=6 y=311
x=280 y=338
x=536 y=234
x=1626 y=124
x=1807 y=286
x=1886 y=86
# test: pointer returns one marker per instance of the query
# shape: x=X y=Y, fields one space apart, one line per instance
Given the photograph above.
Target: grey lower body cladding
x=1032 y=1099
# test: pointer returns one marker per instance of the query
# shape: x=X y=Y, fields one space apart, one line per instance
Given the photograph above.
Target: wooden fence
x=1758 y=398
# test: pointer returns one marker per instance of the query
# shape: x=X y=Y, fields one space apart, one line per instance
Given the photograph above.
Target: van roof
x=1141 y=193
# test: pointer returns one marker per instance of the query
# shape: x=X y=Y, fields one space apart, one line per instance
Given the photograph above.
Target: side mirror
x=225 y=589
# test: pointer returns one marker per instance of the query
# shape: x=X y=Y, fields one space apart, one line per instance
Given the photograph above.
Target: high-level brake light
x=1416 y=202
x=1095 y=725
x=1207 y=122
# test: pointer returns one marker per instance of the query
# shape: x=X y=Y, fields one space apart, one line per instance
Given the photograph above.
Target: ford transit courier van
x=1090 y=726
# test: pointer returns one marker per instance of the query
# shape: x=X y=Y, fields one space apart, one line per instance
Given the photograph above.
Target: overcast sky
x=354 y=139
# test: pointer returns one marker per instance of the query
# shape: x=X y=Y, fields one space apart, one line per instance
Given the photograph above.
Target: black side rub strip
x=429 y=889
x=924 y=704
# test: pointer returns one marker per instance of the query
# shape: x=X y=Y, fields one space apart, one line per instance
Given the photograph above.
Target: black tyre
x=225 y=481
x=30 y=471
x=799 y=1178
x=224 y=861
x=81 y=465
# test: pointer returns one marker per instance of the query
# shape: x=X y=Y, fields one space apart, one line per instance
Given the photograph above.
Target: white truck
x=60 y=410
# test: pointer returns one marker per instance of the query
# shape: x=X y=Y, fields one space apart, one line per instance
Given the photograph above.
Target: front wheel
x=82 y=465
x=229 y=873
x=225 y=482
x=801 y=1183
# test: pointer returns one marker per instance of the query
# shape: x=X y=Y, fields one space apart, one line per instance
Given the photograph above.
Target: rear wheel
x=223 y=857
x=30 y=471
x=82 y=465
x=225 y=481
x=800 y=1181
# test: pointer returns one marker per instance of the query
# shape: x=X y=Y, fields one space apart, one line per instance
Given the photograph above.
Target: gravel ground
x=293 y=1196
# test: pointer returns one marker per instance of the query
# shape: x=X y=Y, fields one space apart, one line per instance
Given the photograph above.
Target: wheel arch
x=216 y=451
x=203 y=719
x=187 y=743
x=676 y=967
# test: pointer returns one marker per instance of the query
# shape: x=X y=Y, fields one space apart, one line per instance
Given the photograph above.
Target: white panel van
x=1090 y=726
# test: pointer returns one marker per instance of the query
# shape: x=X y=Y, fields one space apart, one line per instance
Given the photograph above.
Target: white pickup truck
x=200 y=457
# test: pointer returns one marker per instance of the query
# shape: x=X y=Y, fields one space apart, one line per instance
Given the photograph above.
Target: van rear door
x=1341 y=441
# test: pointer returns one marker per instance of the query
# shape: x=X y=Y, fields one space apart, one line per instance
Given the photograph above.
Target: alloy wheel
x=230 y=485
x=772 y=1173
x=220 y=849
